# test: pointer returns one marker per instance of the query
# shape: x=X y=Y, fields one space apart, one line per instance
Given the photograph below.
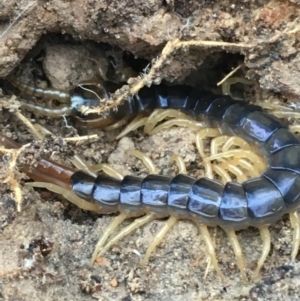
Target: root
x=10 y=179
x=150 y=77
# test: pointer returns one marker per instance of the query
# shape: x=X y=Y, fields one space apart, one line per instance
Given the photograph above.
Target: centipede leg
x=246 y=165
x=202 y=134
x=240 y=176
x=182 y=122
x=108 y=231
x=161 y=114
x=266 y=238
x=127 y=230
x=137 y=122
x=92 y=169
x=145 y=159
x=69 y=195
x=158 y=238
x=210 y=247
x=216 y=142
x=235 y=141
x=180 y=163
x=238 y=252
x=222 y=173
x=295 y=221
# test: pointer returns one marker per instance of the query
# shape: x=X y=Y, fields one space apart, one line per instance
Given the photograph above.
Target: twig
x=148 y=78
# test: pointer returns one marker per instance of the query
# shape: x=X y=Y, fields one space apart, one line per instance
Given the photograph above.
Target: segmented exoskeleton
x=257 y=202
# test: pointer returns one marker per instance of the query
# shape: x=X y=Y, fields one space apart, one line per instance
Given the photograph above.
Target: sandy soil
x=177 y=267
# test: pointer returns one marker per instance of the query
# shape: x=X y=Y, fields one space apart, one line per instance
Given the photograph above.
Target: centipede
x=259 y=201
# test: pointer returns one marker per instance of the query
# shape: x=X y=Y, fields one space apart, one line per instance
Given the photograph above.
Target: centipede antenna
x=158 y=238
x=266 y=238
x=238 y=252
x=127 y=230
x=295 y=221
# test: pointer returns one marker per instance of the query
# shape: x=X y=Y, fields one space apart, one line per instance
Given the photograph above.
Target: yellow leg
x=137 y=122
x=226 y=85
x=108 y=169
x=279 y=111
x=295 y=128
x=81 y=164
x=107 y=232
x=216 y=142
x=202 y=134
x=238 y=153
x=247 y=166
x=208 y=169
x=158 y=238
x=145 y=159
x=191 y=124
x=240 y=176
x=92 y=169
x=180 y=163
x=295 y=221
x=69 y=195
x=266 y=238
x=235 y=141
x=210 y=248
x=219 y=170
x=238 y=252
x=161 y=114
x=127 y=230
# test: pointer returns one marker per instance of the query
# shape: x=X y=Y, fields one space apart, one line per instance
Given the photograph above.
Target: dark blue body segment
x=258 y=201
x=265 y=202
x=286 y=158
x=106 y=190
x=154 y=192
x=82 y=184
x=280 y=139
x=179 y=191
x=234 y=206
x=130 y=193
x=257 y=127
x=235 y=115
x=205 y=199
x=288 y=184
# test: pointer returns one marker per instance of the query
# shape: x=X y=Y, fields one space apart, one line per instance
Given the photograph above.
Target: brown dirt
x=177 y=267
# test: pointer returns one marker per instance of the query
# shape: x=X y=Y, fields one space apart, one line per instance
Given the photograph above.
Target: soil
x=45 y=248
